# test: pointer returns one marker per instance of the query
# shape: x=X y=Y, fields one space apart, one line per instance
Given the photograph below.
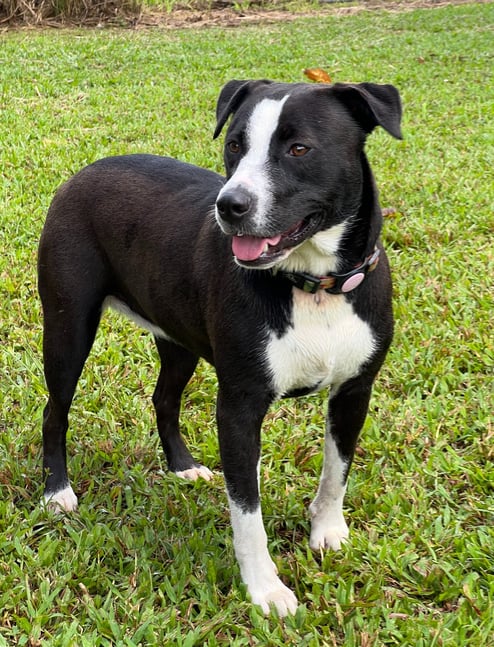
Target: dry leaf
x=318 y=75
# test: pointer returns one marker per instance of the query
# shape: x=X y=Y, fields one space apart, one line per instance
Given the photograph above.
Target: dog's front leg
x=347 y=409
x=239 y=424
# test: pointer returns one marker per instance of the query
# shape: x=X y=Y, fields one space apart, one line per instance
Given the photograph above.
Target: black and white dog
x=275 y=275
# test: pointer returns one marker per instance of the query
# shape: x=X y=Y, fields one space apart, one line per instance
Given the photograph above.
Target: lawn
x=148 y=559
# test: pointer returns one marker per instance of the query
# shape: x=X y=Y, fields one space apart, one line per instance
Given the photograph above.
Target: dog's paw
x=277 y=595
x=62 y=501
x=267 y=590
x=193 y=473
x=331 y=534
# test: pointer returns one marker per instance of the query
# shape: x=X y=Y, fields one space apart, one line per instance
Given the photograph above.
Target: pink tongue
x=249 y=248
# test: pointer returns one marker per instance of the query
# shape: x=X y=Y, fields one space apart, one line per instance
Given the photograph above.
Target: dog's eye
x=233 y=147
x=298 y=150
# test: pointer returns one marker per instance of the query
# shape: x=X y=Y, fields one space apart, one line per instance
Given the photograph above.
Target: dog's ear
x=372 y=105
x=231 y=96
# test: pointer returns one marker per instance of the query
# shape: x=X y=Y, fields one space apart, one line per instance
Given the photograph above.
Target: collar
x=333 y=283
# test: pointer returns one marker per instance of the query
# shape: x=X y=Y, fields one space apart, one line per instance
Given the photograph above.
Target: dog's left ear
x=372 y=105
x=231 y=96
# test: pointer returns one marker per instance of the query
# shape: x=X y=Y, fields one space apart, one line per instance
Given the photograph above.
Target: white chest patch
x=326 y=345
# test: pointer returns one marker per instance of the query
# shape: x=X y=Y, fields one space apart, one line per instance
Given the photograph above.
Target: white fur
x=256 y=566
x=329 y=529
x=62 y=501
x=318 y=254
x=326 y=344
x=252 y=173
x=123 y=308
x=194 y=473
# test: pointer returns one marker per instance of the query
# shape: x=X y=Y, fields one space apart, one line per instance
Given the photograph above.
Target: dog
x=275 y=274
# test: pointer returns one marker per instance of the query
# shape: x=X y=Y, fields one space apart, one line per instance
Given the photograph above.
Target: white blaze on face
x=252 y=172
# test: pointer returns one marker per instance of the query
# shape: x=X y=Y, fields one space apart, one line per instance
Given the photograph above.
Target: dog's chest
x=326 y=344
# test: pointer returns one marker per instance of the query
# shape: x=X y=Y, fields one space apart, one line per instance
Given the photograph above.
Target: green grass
x=148 y=559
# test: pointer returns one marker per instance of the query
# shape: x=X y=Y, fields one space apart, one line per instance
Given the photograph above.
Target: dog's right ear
x=231 y=96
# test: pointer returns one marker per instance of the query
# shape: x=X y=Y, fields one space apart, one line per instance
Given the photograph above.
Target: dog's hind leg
x=177 y=367
x=347 y=410
x=72 y=280
x=69 y=331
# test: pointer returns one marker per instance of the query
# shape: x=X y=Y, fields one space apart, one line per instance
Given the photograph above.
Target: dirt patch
x=229 y=17
x=222 y=13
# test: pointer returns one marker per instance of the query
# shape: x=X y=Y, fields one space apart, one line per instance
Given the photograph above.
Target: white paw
x=194 y=473
x=276 y=595
x=331 y=534
x=62 y=501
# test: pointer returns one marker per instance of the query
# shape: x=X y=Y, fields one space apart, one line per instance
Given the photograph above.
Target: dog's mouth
x=254 y=251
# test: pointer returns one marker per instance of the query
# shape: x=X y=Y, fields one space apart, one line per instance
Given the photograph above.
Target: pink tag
x=351 y=283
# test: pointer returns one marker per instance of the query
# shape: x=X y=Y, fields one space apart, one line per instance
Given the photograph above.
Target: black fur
x=141 y=228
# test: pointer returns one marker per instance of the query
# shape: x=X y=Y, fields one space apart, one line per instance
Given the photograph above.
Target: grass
x=148 y=560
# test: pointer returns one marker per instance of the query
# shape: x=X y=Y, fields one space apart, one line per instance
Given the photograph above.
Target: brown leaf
x=317 y=74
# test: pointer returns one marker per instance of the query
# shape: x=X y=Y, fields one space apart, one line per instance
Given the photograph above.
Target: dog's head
x=293 y=158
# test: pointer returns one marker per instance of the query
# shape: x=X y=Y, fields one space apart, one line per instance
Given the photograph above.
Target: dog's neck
x=365 y=227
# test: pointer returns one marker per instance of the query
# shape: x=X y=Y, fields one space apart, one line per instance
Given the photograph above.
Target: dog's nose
x=233 y=205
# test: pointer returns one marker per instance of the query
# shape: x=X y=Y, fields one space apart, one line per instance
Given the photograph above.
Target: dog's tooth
x=266 y=248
